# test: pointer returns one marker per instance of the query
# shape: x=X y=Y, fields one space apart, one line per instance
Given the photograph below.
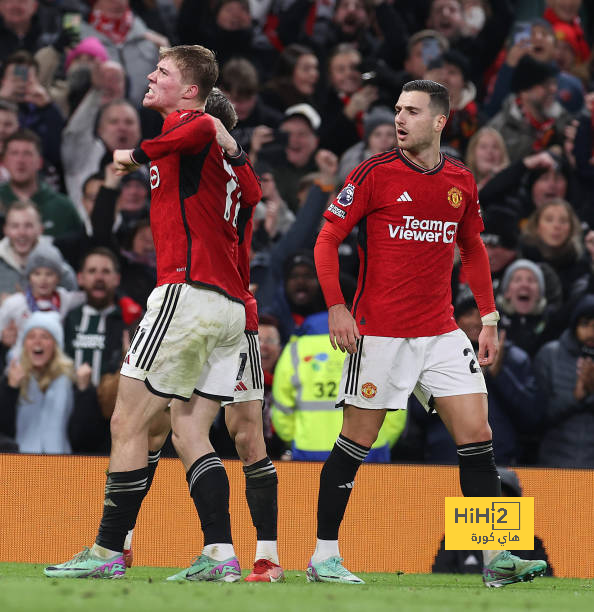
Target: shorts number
x=243 y=361
x=472 y=364
x=327 y=389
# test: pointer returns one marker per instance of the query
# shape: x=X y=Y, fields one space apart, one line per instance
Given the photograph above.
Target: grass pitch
x=23 y=587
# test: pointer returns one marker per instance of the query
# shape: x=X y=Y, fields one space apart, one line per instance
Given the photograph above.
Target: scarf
x=114 y=29
x=582 y=48
x=544 y=129
x=53 y=303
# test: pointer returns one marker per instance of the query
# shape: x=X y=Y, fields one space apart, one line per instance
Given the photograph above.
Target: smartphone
x=522 y=31
x=21 y=71
x=430 y=50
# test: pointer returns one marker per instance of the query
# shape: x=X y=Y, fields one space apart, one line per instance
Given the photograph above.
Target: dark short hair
x=104 y=252
x=24 y=135
x=219 y=106
x=438 y=94
x=239 y=77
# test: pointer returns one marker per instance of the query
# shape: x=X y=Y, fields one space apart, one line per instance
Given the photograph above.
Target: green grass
x=23 y=587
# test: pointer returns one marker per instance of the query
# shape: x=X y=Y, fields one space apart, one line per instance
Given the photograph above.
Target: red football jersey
x=195 y=201
x=409 y=219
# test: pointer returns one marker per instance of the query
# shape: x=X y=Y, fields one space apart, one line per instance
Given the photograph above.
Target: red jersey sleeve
x=352 y=203
x=475 y=263
x=471 y=222
x=327 y=263
x=251 y=192
x=189 y=133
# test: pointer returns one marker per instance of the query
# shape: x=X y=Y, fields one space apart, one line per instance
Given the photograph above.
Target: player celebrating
x=195 y=316
x=244 y=415
x=412 y=205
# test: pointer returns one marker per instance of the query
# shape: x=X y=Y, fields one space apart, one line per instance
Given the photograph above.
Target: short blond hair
x=197 y=65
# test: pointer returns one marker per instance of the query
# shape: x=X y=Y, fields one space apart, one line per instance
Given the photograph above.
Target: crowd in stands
x=314 y=84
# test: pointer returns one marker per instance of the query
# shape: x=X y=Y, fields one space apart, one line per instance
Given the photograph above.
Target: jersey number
x=233 y=194
x=472 y=364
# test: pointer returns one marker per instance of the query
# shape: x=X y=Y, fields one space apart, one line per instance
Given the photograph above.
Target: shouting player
x=412 y=205
x=195 y=316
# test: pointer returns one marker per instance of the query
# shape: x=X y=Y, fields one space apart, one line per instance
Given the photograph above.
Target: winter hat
x=45 y=256
x=523 y=264
x=501 y=227
x=303 y=257
x=379 y=115
x=49 y=321
x=87 y=46
x=584 y=308
x=308 y=112
x=530 y=72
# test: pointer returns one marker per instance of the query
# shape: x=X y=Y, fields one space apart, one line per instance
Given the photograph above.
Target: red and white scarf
x=115 y=29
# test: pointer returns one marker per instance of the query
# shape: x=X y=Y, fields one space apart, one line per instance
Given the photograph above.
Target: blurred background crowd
x=314 y=84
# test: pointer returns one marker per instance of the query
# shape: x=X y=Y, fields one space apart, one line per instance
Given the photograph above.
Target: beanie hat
x=584 y=308
x=501 y=227
x=523 y=264
x=87 y=46
x=307 y=112
x=378 y=115
x=45 y=256
x=49 y=321
x=303 y=257
x=530 y=72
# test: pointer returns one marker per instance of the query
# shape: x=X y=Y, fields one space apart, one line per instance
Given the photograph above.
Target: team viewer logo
x=154 y=177
x=455 y=197
x=489 y=523
x=368 y=390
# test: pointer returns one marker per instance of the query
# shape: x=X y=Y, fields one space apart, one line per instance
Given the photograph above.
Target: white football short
x=385 y=371
x=247 y=366
x=177 y=336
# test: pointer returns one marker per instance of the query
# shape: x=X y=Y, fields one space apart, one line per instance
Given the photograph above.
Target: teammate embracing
x=195 y=318
x=412 y=205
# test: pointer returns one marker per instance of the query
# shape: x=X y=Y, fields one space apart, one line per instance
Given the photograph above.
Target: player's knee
x=479 y=433
x=249 y=443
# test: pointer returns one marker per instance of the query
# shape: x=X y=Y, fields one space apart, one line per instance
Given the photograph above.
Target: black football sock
x=124 y=492
x=261 y=483
x=209 y=488
x=336 y=483
x=478 y=473
x=153 y=461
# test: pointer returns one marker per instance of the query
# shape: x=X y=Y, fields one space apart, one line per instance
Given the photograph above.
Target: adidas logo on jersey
x=240 y=387
x=404 y=197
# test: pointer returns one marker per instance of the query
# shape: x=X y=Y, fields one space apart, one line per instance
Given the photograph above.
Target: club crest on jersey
x=154 y=177
x=368 y=390
x=345 y=197
x=455 y=197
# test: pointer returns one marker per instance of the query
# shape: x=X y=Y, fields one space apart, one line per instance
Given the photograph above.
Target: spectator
x=297 y=151
x=127 y=40
x=306 y=381
x=532 y=120
x=471 y=561
x=294 y=79
x=480 y=45
x=42 y=293
x=486 y=155
x=379 y=136
x=347 y=100
x=561 y=13
x=94 y=335
x=255 y=119
x=9 y=124
x=523 y=306
x=22 y=233
x=22 y=159
x=19 y=83
x=92 y=135
x=565 y=375
x=36 y=393
x=553 y=234
x=423 y=47
x=464 y=119
x=540 y=45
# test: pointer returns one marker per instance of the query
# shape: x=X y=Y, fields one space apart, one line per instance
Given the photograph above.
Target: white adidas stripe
x=404 y=197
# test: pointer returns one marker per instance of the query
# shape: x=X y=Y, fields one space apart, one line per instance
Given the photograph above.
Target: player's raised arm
x=342 y=326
